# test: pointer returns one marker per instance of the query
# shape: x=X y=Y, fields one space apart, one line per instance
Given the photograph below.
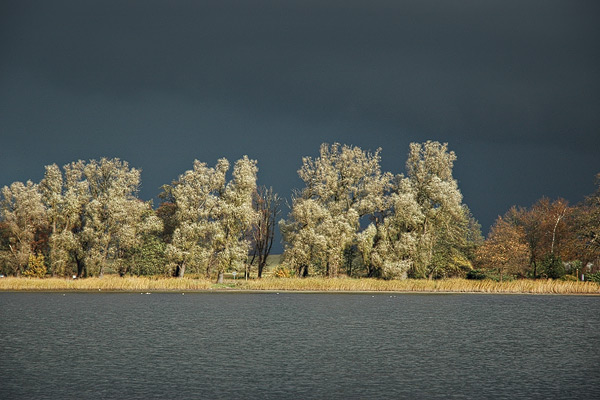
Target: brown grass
x=419 y=285
x=108 y=283
x=115 y=283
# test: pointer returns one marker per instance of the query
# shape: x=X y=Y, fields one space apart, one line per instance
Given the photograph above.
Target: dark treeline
x=351 y=218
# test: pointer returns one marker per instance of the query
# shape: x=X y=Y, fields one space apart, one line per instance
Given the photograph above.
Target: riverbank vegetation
x=351 y=219
x=314 y=284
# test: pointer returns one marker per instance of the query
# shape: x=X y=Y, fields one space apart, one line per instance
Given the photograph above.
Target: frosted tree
x=234 y=218
x=389 y=244
x=429 y=169
x=65 y=199
x=114 y=217
x=342 y=185
x=195 y=194
x=305 y=245
x=412 y=224
x=212 y=217
x=94 y=215
x=24 y=221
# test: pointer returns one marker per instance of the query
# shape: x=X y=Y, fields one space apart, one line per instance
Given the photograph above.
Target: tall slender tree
x=267 y=204
x=429 y=168
x=212 y=217
x=24 y=221
x=342 y=185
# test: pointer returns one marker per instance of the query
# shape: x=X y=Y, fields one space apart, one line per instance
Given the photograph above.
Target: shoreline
x=296 y=285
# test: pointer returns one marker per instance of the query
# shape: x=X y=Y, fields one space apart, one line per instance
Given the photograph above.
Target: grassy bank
x=115 y=283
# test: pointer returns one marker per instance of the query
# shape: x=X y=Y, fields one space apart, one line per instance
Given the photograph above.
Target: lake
x=298 y=346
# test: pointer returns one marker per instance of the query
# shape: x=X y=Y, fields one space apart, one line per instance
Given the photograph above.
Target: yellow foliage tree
x=505 y=249
x=36 y=268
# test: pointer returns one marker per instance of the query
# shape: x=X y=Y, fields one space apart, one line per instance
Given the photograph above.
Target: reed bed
x=420 y=285
x=106 y=283
x=146 y=284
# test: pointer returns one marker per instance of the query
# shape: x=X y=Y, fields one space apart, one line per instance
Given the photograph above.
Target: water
x=298 y=346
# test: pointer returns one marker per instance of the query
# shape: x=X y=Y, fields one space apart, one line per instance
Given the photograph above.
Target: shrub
x=569 y=278
x=593 y=277
x=36 y=268
x=282 y=272
x=476 y=274
x=553 y=267
x=493 y=275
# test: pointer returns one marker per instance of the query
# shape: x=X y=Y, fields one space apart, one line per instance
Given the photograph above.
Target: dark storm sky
x=512 y=86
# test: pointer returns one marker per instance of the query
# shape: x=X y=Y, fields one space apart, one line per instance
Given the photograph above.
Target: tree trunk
x=220 y=277
x=262 y=262
x=303 y=271
x=370 y=271
x=81 y=271
x=181 y=270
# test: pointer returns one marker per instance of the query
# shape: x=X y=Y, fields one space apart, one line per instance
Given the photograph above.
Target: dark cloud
x=513 y=86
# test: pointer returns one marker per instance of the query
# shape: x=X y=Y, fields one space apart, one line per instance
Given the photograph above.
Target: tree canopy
x=350 y=218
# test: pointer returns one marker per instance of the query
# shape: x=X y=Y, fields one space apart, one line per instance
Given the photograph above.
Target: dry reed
x=115 y=283
x=419 y=285
x=107 y=283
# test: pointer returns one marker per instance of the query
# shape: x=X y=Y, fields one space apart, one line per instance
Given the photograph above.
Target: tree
x=24 y=222
x=95 y=216
x=388 y=245
x=65 y=200
x=546 y=229
x=586 y=226
x=194 y=194
x=268 y=206
x=212 y=217
x=453 y=252
x=552 y=266
x=235 y=217
x=342 y=185
x=36 y=266
x=429 y=168
x=531 y=225
x=407 y=220
x=147 y=258
x=505 y=250
x=304 y=242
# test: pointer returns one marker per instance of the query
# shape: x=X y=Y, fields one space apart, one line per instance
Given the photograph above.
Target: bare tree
x=267 y=204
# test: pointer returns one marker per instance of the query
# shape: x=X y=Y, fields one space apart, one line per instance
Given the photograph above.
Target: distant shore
x=163 y=284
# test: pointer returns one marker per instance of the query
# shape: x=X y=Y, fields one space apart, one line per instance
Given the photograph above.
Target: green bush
x=476 y=274
x=571 y=278
x=553 y=267
x=593 y=277
x=494 y=275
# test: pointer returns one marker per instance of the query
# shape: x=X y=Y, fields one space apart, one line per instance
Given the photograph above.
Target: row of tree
x=350 y=218
x=549 y=239
x=87 y=217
